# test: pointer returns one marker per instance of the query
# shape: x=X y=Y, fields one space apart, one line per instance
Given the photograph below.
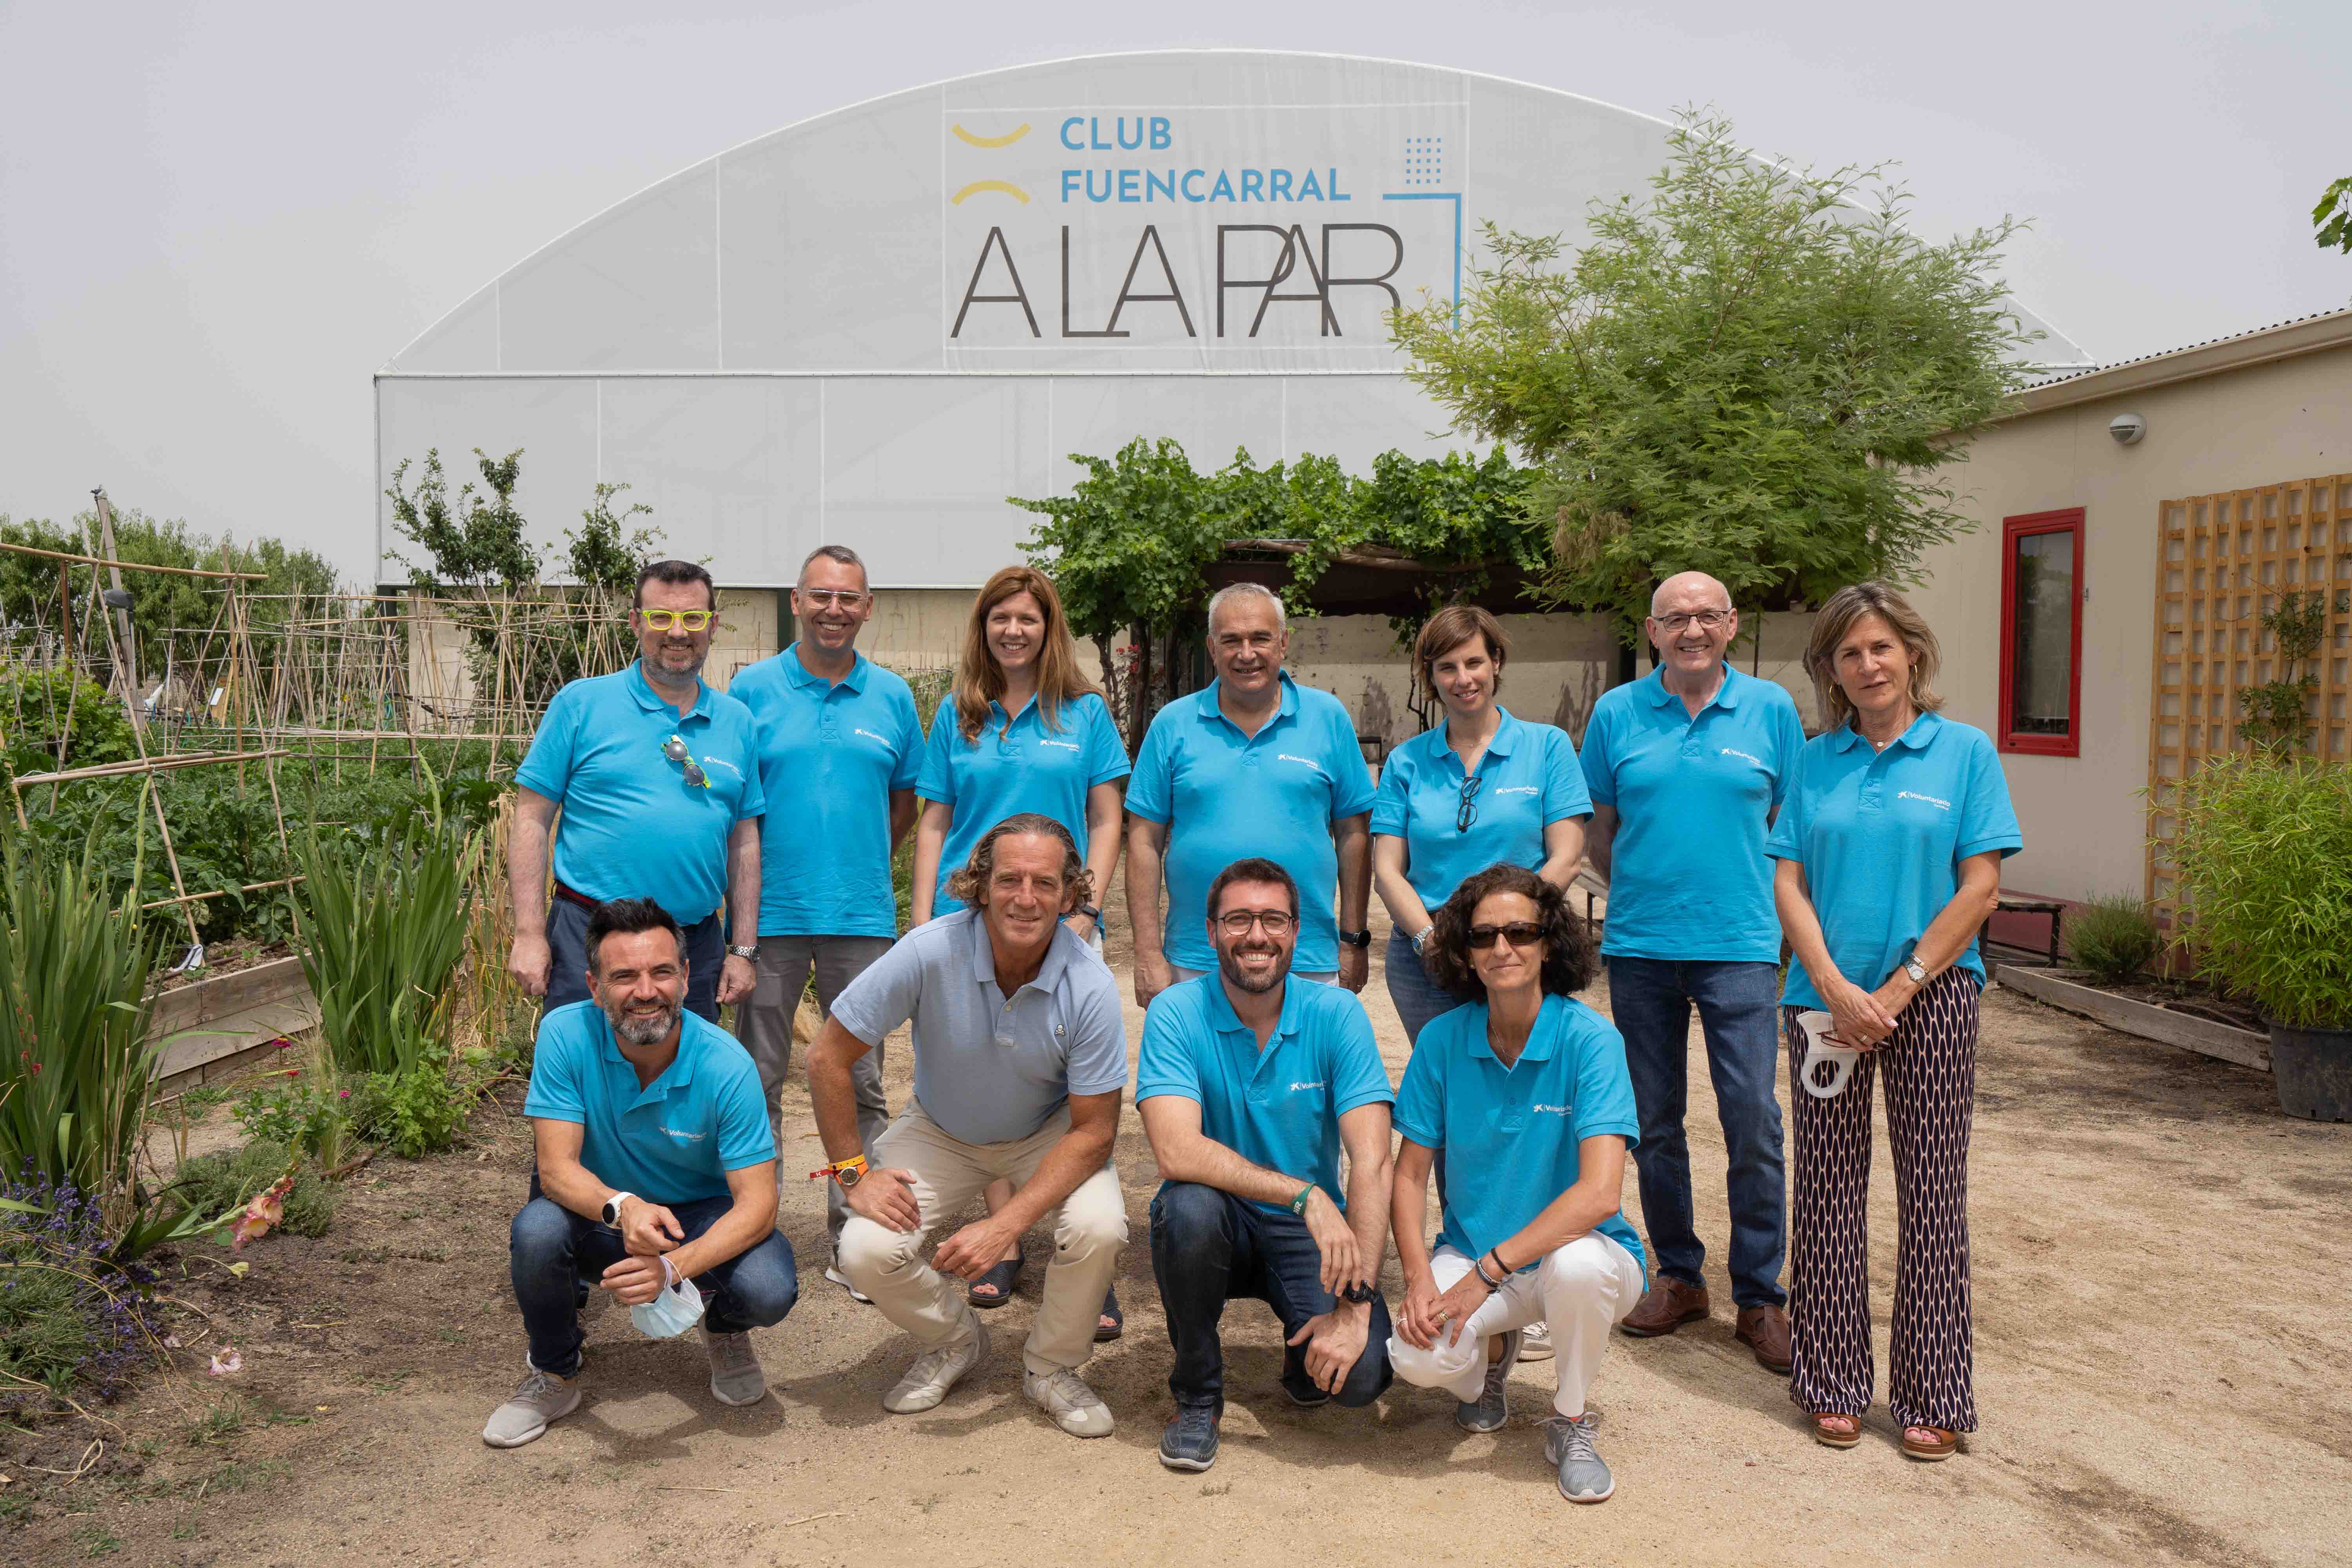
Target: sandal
x=1944 y=1444
x=1830 y=1436
x=999 y=1279
x=1118 y=1318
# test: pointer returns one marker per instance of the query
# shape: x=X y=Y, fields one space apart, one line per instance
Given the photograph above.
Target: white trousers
x=1090 y=1227
x=1583 y=1289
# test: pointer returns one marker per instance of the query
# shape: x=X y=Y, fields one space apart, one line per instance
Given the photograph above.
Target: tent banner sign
x=1204 y=230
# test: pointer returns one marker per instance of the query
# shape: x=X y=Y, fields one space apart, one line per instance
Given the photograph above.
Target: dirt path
x=2162 y=1338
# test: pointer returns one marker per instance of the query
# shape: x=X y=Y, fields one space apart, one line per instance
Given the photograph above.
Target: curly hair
x=1568 y=952
x=966 y=884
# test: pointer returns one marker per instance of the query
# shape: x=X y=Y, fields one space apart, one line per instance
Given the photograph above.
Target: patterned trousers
x=1928 y=1064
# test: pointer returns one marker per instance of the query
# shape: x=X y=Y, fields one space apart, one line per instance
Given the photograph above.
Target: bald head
x=1689 y=591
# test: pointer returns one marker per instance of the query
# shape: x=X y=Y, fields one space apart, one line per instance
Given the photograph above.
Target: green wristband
x=1298 y=1204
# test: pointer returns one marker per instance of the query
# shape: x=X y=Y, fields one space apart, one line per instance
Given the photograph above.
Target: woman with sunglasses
x=1527 y=1089
x=1026 y=730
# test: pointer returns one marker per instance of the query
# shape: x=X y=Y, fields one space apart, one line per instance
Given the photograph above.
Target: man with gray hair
x=1687 y=769
x=839 y=746
x=1019 y=1060
x=1254 y=766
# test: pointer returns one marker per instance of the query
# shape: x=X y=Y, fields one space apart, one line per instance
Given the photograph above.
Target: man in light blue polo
x=657 y=777
x=1248 y=1086
x=839 y=747
x=1687 y=768
x=1255 y=765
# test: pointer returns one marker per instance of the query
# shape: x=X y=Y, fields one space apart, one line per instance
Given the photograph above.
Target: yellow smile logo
x=982 y=188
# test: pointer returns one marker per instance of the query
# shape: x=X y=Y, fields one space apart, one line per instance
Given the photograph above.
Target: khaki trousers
x=1089 y=1229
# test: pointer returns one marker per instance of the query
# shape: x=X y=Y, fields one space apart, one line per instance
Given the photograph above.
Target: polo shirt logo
x=1064 y=745
x=1743 y=756
x=685 y=1137
x=1549 y=1109
x=1522 y=789
x=1931 y=800
x=722 y=762
x=869 y=734
x=1307 y=762
x=1300 y=1088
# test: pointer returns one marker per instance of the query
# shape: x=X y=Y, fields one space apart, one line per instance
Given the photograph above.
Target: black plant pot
x=2314 y=1070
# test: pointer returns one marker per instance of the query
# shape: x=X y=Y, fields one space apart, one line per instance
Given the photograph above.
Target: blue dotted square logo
x=1424 y=160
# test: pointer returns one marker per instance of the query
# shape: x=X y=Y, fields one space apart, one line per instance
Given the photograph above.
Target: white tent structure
x=874 y=326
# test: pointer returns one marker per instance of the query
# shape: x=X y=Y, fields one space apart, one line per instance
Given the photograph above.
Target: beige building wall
x=2084 y=818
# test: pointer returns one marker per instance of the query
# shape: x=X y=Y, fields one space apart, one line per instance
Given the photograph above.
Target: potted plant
x=2263 y=854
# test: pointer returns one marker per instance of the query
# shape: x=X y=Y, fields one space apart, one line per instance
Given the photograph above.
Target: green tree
x=477 y=541
x=2332 y=219
x=603 y=555
x=1754 y=373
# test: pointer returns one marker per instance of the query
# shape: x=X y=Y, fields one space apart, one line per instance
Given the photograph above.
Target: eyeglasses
x=1708 y=620
x=674 y=750
x=1519 y=934
x=1466 y=811
x=826 y=598
x=662 y=620
x=1238 y=922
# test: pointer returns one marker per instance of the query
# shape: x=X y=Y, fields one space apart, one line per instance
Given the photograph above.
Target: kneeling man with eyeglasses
x=1248 y=1086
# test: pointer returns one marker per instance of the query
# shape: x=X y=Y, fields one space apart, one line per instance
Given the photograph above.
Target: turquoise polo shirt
x=1512 y=1132
x=830 y=754
x=1017 y=763
x=1688 y=878
x=1881 y=836
x=1278 y=1106
x=1224 y=797
x=672 y=1141
x=633 y=827
x=1529 y=779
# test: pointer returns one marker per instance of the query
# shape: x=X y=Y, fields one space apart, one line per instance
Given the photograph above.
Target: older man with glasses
x=656 y=775
x=1687 y=769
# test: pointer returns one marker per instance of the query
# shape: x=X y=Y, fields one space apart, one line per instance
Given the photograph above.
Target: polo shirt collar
x=1225 y=1021
x=1543 y=1040
x=1283 y=683
x=802 y=676
x=983 y=952
x=1917 y=738
x=1506 y=732
x=1726 y=694
x=650 y=700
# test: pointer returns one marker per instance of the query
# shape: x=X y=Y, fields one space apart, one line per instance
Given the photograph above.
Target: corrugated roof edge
x=2260 y=345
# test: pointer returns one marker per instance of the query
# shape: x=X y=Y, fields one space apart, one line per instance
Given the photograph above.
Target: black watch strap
x=1359 y=1293
x=1356 y=937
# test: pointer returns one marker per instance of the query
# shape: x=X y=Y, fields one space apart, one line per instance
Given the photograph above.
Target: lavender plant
x=74 y=1322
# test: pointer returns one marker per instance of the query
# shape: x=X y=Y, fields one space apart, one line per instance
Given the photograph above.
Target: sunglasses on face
x=674 y=750
x=663 y=620
x=1519 y=934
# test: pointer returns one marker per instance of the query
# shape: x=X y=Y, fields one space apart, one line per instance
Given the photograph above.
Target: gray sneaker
x=1489 y=1412
x=735 y=1374
x=1567 y=1443
x=542 y=1398
x=1063 y=1395
x=935 y=1371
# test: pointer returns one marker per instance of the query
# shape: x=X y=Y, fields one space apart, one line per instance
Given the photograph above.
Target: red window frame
x=2013 y=529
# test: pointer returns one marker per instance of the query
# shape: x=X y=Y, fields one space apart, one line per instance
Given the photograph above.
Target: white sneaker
x=1064 y=1395
x=935 y=1371
x=832 y=1272
x=735 y=1374
x=1535 y=1342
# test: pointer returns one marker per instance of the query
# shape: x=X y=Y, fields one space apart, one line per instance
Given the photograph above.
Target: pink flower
x=343 y=1094
x=267 y=1209
x=226 y=1361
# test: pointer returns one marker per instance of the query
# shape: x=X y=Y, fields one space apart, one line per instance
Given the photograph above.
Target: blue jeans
x=1207 y=1248
x=1417 y=998
x=1738 y=1010
x=567 y=969
x=557 y=1255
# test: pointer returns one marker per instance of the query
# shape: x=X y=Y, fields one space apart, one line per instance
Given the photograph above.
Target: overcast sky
x=215 y=221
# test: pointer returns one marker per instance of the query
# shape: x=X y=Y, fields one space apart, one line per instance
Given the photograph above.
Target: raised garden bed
x=210 y=1025
x=2151 y=1012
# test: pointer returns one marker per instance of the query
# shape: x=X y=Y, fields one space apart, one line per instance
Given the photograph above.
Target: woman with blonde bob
x=1889 y=846
x=1025 y=731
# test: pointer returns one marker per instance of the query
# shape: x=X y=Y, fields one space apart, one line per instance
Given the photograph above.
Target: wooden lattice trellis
x=2225 y=560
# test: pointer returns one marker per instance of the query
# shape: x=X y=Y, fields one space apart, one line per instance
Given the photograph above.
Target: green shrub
x=227 y=1179
x=930 y=688
x=2262 y=851
x=2114 y=936
x=54 y=719
x=382 y=923
x=413 y=1113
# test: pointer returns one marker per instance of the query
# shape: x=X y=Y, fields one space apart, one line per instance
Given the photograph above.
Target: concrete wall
x=2085 y=820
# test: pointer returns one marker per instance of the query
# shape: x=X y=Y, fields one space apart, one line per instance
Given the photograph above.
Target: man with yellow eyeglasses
x=657 y=777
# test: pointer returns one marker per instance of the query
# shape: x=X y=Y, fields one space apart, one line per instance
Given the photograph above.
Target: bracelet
x=1422 y=936
x=1092 y=912
x=1479 y=1268
x=1298 y=1204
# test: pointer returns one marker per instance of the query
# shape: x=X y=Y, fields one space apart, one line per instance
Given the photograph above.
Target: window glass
x=2043 y=656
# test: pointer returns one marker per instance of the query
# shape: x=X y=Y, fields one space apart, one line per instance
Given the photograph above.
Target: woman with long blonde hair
x=1025 y=731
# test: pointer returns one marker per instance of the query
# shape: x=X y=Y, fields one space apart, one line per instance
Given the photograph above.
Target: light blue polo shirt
x=633 y=827
x=1224 y=797
x=1512 y=1132
x=1278 y=1106
x=1015 y=766
x=1528 y=780
x=672 y=1141
x=1688 y=878
x=1881 y=836
x=830 y=754
x=991 y=1068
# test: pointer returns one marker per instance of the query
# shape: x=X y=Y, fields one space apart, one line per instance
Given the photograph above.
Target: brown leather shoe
x=1765 y=1331
x=1668 y=1305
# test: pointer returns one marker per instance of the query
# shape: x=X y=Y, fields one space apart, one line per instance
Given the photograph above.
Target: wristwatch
x=1359 y=1293
x=751 y=953
x=1422 y=935
x=1916 y=970
x=613 y=1208
x=1356 y=937
x=1092 y=912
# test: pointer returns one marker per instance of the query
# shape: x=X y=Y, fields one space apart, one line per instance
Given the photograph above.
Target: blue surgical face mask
x=677 y=1309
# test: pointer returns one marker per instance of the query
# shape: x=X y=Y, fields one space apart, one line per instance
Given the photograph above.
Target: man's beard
x=641 y=1029
x=667 y=658
x=1228 y=965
